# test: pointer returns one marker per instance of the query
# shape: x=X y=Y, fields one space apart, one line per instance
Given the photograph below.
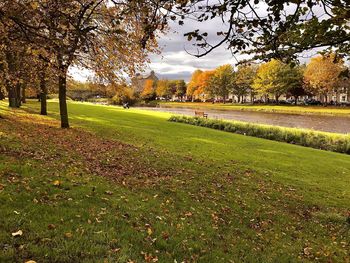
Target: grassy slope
x=290 y=109
x=218 y=196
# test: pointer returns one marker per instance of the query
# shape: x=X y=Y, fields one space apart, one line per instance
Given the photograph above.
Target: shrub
x=319 y=140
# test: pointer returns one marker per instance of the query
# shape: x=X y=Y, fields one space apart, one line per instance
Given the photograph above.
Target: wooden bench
x=201 y=114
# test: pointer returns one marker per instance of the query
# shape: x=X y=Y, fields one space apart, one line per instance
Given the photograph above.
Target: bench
x=201 y=114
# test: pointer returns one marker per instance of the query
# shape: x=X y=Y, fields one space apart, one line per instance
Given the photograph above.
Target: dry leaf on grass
x=18 y=233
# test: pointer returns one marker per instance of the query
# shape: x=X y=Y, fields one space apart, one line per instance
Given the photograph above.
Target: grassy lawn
x=129 y=186
x=289 y=109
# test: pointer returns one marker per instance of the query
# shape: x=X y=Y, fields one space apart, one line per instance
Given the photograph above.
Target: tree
x=280 y=29
x=148 y=92
x=243 y=81
x=204 y=84
x=110 y=37
x=180 y=89
x=222 y=81
x=276 y=78
x=193 y=84
x=296 y=82
x=163 y=89
x=123 y=95
x=322 y=74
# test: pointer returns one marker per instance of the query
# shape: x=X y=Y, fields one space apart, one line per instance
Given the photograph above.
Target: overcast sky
x=174 y=62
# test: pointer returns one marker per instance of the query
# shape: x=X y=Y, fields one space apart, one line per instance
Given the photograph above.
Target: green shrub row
x=319 y=140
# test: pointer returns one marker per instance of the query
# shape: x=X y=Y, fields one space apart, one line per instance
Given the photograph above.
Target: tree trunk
x=277 y=98
x=23 y=97
x=14 y=98
x=43 y=93
x=62 y=92
x=296 y=100
x=2 y=96
x=18 y=95
x=238 y=99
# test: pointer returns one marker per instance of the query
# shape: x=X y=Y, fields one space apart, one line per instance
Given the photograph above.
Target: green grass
x=194 y=194
x=309 y=138
x=288 y=109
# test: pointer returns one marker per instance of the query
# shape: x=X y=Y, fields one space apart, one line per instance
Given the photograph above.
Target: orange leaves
x=148 y=90
x=322 y=73
x=199 y=84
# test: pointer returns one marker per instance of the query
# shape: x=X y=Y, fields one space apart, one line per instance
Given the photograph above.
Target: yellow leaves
x=322 y=73
x=56 y=183
x=17 y=234
x=149 y=231
x=30 y=261
x=34 y=5
x=148 y=89
x=68 y=235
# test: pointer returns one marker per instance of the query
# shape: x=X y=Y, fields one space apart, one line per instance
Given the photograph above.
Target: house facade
x=138 y=81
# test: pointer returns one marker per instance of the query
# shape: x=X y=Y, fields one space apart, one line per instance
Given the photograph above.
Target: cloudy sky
x=175 y=62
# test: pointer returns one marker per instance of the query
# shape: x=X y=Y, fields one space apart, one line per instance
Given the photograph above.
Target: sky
x=175 y=62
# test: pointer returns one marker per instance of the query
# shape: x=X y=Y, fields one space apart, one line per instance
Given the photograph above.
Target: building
x=138 y=82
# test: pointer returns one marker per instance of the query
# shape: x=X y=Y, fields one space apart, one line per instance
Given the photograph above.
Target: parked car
x=312 y=102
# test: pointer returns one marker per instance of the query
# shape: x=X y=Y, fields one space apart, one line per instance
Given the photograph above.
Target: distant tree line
x=323 y=76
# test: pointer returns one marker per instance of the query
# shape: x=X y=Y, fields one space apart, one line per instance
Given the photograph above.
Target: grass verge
x=318 y=140
x=286 y=109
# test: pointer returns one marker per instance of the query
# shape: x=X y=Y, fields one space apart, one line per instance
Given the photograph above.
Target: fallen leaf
x=30 y=261
x=149 y=231
x=68 y=235
x=56 y=183
x=51 y=226
x=18 y=233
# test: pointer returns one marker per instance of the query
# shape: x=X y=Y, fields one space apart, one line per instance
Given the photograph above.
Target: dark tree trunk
x=296 y=100
x=14 y=96
x=238 y=99
x=23 y=97
x=18 y=95
x=43 y=93
x=62 y=92
x=2 y=96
